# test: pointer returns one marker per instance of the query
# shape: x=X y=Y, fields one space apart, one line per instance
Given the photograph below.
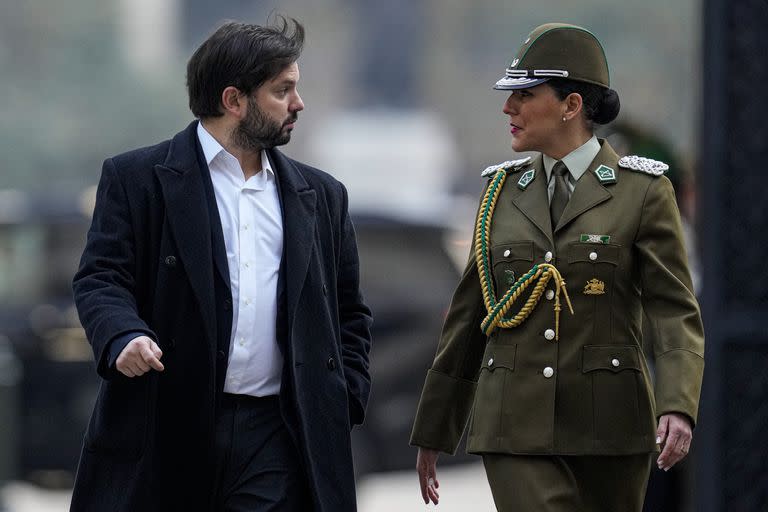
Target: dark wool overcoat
x=155 y=262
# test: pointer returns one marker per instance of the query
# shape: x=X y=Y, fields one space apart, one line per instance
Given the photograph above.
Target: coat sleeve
x=669 y=303
x=354 y=320
x=104 y=283
x=449 y=388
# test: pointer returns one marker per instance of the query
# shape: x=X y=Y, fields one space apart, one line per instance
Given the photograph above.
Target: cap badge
x=514 y=63
x=526 y=179
x=594 y=287
x=595 y=239
x=605 y=174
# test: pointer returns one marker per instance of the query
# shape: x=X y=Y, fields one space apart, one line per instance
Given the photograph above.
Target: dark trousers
x=258 y=468
x=541 y=483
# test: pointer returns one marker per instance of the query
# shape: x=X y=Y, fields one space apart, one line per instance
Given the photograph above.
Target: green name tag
x=595 y=239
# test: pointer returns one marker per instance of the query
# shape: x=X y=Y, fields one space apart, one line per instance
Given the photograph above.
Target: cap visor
x=510 y=84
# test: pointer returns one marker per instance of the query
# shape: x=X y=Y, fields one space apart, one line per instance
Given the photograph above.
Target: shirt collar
x=212 y=149
x=577 y=160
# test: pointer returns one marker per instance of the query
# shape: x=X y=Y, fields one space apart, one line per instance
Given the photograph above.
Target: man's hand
x=674 y=435
x=426 y=466
x=139 y=356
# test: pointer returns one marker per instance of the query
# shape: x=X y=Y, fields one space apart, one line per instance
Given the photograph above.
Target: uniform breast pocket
x=510 y=261
x=615 y=375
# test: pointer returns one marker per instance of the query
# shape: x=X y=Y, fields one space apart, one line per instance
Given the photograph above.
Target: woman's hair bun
x=608 y=109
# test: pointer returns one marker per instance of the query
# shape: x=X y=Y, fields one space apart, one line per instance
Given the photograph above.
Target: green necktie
x=560 y=195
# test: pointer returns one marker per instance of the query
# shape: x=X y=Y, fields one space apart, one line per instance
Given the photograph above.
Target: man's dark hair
x=243 y=56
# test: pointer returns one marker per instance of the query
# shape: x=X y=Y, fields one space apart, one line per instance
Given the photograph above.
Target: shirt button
x=507 y=253
x=247 y=302
x=548 y=372
x=615 y=363
x=593 y=256
x=245 y=227
x=548 y=256
x=550 y=294
x=247 y=265
x=549 y=334
x=490 y=362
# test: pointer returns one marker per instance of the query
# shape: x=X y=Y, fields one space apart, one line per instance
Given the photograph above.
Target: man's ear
x=234 y=102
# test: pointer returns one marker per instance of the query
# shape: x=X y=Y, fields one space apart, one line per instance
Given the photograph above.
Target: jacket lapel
x=181 y=180
x=298 y=204
x=589 y=192
x=533 y=201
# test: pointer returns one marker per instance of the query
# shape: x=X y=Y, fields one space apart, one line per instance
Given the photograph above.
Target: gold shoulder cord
x=541 y=271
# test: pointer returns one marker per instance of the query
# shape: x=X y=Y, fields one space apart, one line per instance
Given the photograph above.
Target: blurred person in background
x=219 y=290
x=562 y=406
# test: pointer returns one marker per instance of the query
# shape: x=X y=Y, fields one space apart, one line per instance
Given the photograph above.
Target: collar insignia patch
x=526 y=179
x=605 y=174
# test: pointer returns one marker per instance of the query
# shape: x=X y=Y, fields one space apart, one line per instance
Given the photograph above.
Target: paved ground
x=462 y=488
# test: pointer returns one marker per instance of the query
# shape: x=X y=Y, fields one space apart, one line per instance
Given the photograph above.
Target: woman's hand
x=426 y=466
x=674 y=435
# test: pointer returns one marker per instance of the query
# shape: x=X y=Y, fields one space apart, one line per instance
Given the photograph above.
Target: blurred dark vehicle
x=408 y=278
x=41 y=238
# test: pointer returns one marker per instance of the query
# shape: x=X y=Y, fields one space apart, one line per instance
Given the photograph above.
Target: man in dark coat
x=219 y=289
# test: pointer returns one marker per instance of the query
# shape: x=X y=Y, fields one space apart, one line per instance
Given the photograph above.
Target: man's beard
x=258 y=131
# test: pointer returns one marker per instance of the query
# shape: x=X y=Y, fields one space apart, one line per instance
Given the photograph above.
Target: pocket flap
x=499 y=356
x=593 y=253
x=611 y=357
x=512 y=251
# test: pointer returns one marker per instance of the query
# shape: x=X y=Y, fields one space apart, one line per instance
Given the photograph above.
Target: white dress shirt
x=577 y=162
x=251 y=221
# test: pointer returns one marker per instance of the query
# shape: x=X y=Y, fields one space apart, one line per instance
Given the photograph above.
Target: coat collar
x=181 y=180
x=533 y=202
x=298 y=201
x=589 y=192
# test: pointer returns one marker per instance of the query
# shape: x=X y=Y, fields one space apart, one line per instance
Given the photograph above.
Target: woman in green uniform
x=541 y=351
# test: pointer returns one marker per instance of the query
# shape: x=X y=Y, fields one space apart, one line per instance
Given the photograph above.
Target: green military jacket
x=590 y=392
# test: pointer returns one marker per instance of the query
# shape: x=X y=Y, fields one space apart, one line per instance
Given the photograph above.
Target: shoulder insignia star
x=509 y=165
x=642 y=164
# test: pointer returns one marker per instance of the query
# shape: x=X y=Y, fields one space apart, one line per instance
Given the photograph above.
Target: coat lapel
x=533 y=200
x=298 y=202
x=181 y=180
x=589 y=192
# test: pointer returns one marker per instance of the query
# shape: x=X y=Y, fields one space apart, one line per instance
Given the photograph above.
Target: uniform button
x=548 y=372
x=221 y=354
x=548 y=256
x=593 y=256
x=615 y=363
x=170 y=261
x=549 y=334
x=490 y=362
x=227 y=305
x=550 y=294
x=325 y=290
x=507 y=253
x=331 y=364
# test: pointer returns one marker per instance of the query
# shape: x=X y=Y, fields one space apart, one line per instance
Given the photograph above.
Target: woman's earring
x=564 y=119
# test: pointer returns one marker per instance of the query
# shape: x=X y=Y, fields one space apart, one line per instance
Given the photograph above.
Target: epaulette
x=509 y=165
x=641 y=164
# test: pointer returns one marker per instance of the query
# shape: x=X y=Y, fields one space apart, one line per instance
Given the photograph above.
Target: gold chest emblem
x=594 y=287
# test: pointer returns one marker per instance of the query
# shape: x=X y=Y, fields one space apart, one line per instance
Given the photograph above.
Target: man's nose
x=298 y=104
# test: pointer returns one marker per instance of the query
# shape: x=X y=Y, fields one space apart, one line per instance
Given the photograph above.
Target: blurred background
x=399 y=106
